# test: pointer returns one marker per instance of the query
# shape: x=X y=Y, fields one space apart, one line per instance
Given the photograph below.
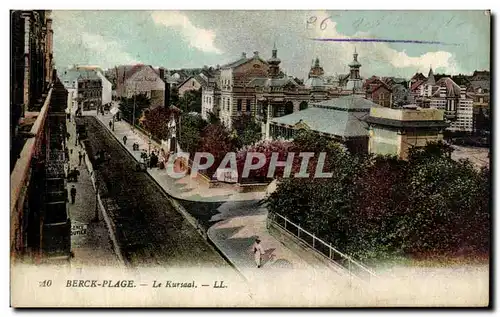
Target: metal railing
x=326 y=249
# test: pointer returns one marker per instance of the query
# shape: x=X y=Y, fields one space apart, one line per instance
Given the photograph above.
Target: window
x=249 y=105
x=239 y=102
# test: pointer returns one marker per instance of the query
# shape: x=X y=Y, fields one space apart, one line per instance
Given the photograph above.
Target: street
x=148 y=228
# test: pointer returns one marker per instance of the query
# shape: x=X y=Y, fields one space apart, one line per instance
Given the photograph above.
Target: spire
x=275 y=51
x=430 y=78
x=316 y=62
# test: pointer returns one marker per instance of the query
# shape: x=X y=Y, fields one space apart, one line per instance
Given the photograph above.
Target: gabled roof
x=452 y=89
x=241 y=61
x=483 y=84
x=128 y=71
x=416 y=84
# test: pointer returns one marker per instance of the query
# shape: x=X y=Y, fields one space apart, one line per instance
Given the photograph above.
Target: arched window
x=303 y=105
x=288 y=108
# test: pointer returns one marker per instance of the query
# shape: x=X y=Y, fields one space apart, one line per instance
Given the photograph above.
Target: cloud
x=109 y=52
x=75 y=44
x=199 y=38
x=381 y=54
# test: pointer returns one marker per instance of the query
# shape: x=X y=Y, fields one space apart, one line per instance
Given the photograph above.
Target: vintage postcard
x=250 y=158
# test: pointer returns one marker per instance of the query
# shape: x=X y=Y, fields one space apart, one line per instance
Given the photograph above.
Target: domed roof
x=354 y=63
x=314 y=82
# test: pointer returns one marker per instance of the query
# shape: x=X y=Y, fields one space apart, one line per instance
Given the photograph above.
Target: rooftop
x=342 y=117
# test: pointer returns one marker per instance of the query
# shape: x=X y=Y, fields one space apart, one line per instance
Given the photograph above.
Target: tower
x=354 y=66
x=430 y=78
x=316 y=69
x=274 y=62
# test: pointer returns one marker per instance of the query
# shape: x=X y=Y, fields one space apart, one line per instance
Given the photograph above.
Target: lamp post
x=149 y=145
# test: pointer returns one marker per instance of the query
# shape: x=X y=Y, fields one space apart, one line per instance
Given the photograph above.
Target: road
x=149 y=231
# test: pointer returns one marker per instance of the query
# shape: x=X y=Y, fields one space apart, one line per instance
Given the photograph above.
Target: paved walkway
x=240 y=219
x=90 y=241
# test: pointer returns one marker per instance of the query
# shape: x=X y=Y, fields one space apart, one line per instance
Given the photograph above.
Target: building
x=141 y=79
x=89 y=90
x=355 y=81
x=190 y=84
x=39 y=220
x=31 y=63
x=395 y=131
x=341 y=119
x=107 y=86
x=448 y=96
x=210 y=96
x=277 y=95
x=378 y=91
x=69 y=79
x=233 y=81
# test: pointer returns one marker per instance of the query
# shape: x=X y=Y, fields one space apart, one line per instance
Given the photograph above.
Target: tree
x=215 y=139
x=142 y=102
x=174 y=96
x=379 y=207
x=190 y=127
x=156 y=121
x=191 y=101
x=247 y=131
x=212 y=118
x=267 y=148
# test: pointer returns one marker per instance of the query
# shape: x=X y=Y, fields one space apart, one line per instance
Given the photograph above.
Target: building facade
x=141 y=79
x=89 y=90
x=39 y=219
x=378 y=91
x=395 y=131
x=341 y=119
x=192 y=83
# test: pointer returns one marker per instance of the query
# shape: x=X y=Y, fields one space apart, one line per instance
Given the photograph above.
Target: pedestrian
x=258 y=251
x=79 y=158
x=76 y=173
x=73 y=194
x=125 y=139
x=110 y=124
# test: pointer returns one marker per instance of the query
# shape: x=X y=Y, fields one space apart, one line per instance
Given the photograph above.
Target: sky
x=191 y=39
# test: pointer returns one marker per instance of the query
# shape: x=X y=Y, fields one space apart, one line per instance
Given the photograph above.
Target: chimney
x=162 y=73
x=243 y=55
x=256 y=54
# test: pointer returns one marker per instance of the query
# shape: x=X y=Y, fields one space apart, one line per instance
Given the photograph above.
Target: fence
x=344 y=261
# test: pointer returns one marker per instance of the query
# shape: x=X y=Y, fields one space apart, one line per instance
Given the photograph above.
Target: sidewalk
x=240 y=219
x=90 y=241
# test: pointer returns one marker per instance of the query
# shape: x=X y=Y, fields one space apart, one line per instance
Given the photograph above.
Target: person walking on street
x=79 y=158
x=125 y=139
x=73 y=194
x=258 y=251
x=110 y=124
